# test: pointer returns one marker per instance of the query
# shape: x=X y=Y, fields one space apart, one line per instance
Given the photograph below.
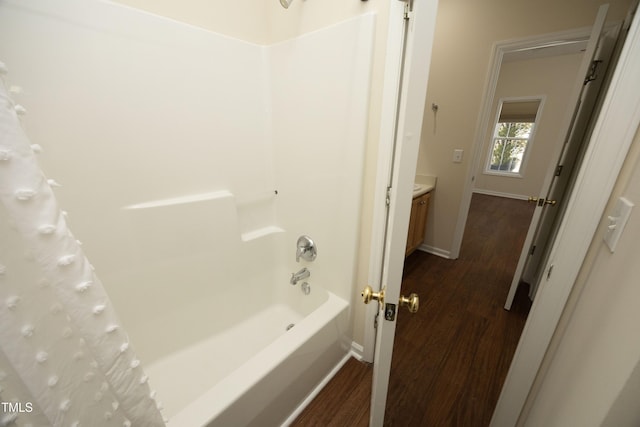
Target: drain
x=290 y=325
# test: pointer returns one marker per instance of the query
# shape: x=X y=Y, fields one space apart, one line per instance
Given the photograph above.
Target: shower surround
x=190 y=162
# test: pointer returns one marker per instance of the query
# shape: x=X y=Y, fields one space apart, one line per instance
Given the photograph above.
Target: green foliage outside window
x=509 y=145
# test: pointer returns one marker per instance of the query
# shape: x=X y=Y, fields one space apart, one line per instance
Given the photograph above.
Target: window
x=512 y=137
x=509 y=144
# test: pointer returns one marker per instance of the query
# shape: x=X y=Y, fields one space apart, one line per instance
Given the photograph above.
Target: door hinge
x=593 y=71
x=407 y=8
x=533 y=249
x=558 y=170
x=387 y=200
x=549 y=272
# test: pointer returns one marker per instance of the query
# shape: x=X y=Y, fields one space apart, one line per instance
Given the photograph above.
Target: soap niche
x=257 y=216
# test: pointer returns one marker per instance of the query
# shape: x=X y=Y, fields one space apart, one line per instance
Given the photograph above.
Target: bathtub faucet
x=302 y=274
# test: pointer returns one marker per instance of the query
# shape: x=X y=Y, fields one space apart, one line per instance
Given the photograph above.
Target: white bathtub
x=257 y=372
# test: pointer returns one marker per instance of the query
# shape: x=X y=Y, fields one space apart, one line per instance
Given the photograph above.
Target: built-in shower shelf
x=182 y=200
x=200 y=217
x=260 y=232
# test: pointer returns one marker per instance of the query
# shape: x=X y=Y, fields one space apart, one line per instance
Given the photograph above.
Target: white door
x=417 y=22
x=549 y=204
x=609 y=143
x=604 y=160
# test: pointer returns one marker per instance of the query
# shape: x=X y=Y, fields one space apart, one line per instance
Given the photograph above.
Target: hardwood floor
x=450 y=359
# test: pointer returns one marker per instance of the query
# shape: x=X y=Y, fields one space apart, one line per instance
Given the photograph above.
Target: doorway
x=525 y=116
x=451 y=357
x=526 y=121
x=410 y=378
x=428 y=128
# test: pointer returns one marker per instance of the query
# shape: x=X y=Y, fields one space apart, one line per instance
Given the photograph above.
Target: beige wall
x=465 y=34
x=260 y=21
x=591 y=374
x=244 y=20
x=624 y=411
x=551 y=78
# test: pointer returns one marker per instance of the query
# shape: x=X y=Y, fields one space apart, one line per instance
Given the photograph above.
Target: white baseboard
x=357 y=351
x=500 y=194
x=435 y=251
x=447 y=254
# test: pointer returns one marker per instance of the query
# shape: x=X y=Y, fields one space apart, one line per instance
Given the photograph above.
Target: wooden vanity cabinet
x=417 y=222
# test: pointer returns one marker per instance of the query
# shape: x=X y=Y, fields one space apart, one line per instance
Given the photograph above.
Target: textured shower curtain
x=65 y=359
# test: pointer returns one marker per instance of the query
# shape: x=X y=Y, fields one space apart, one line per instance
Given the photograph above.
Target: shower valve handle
x=306 y=249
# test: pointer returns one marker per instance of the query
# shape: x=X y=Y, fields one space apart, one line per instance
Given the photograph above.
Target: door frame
x=616 y=126
x=408 y=94
x=390 y=96
x=498 y=52
x=582 y=103
x=614 y=131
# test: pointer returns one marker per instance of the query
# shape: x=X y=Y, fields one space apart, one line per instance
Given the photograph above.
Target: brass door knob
x=412 y=302
x=545 y=201
x=368 y=295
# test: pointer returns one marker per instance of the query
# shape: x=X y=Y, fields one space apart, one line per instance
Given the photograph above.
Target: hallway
x=451 y=358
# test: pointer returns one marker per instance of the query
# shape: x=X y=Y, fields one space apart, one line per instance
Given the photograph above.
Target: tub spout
x=302 y=274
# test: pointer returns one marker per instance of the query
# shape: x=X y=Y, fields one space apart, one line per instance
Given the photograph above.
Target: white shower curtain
x=65 y=359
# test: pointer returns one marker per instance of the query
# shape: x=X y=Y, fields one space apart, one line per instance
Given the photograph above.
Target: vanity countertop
x=423 y=184
x=420 y=189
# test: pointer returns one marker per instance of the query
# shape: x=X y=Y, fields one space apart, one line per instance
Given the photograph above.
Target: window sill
x=504 y=174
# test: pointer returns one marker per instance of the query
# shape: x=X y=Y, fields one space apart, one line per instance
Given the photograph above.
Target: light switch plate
x=617 y=220
x=457 y=155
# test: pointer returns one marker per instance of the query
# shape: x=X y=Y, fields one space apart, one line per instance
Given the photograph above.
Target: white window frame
x=530 y=140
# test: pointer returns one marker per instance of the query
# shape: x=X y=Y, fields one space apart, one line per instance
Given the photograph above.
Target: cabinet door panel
x=417 y=222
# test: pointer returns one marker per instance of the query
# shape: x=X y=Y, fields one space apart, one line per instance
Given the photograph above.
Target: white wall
x=552 y=78
x=320 y=93
x=591 y=373
x=124 y=107
x=278 y=24
x=134 y=110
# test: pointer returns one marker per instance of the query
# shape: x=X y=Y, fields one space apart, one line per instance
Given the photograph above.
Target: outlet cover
x=457 y=155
